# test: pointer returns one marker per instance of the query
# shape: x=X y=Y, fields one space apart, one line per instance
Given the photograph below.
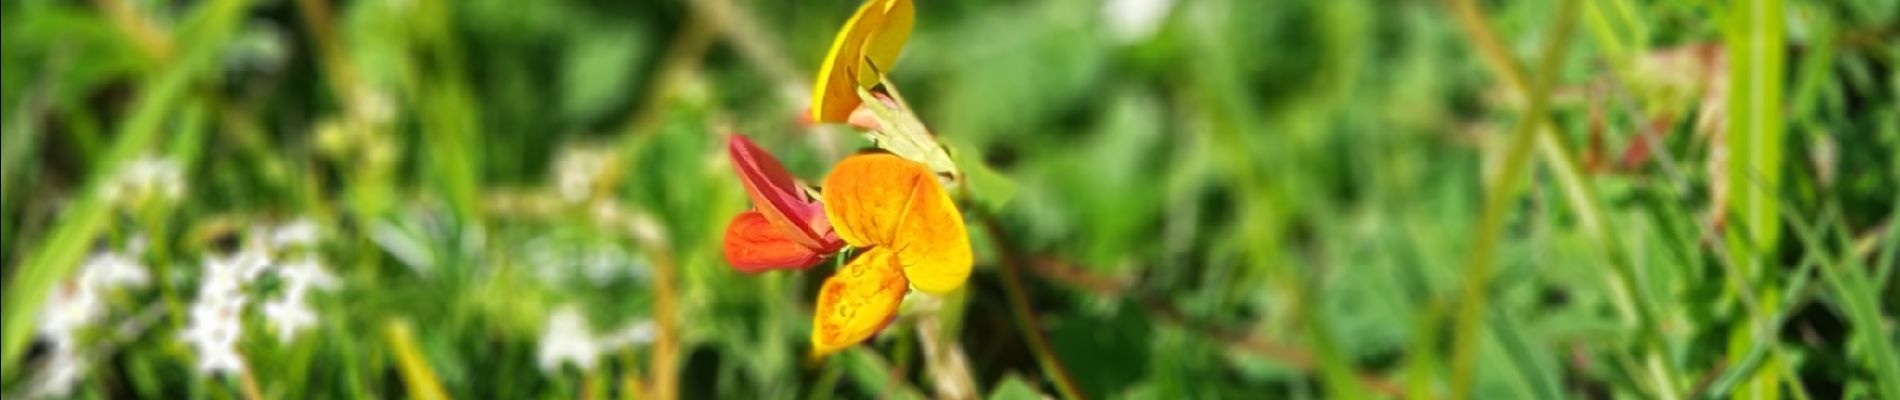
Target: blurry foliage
x=1153 y=183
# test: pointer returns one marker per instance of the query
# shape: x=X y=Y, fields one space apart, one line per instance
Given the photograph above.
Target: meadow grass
x=1167 y=199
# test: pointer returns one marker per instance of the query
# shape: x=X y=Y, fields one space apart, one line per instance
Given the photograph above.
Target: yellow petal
x=857 y=301
x=875 y=34
x=882 y=47
x=881 y=201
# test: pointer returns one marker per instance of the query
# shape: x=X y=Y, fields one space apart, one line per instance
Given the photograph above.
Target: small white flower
x=62 y=370
x=212 y=331
x=251 y=261
x=106 y=270
x=213 y=326
x=1130 y=21
x=566 y=340
x=578 y=171
x=69 y=308
x=307 y=272
x=147 y=178
x=301 y=232
x=289 y=314
x=75 y=305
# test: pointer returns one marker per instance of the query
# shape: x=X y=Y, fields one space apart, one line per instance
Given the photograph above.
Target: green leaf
x=1014 y=388
x=598 y=75
x=990 y=188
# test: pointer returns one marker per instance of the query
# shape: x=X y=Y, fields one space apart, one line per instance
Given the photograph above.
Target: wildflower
x=567 y=340
x=252 y=260
x=145 y=179
x=909 y=234
x=79 y=304
x=869 y=44
x=62 y=371
x=579 y=171
x=299 y=232
x=786 y=227
x=69 y=308
x=908 y=231
x=289 y=313
x=213 y=326
x=890 y=206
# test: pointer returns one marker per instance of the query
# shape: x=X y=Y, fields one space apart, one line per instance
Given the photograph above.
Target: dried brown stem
x=1025 y=313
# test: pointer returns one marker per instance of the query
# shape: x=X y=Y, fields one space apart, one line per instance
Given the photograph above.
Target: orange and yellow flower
x=909 y=234
x=906 y=229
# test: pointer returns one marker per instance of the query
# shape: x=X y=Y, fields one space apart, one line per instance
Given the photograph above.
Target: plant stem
x=1024 y=313
x=416 y=373
x=1581 y=198
x=1503 y=190
x=665 y=358
x=1754 y=43
x=949 y=368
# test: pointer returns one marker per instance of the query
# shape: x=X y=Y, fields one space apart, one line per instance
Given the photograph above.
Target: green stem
x=1582 y=201
x=1503 y=192
x=1754 y=42
x=1856 y=296
x=827 y=380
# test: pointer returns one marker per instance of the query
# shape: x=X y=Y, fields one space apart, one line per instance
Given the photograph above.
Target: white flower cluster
x=144 y=179
x=215 y=324
x=289 y=313
x=213 y=327
x=78 y=304
x=568 y=340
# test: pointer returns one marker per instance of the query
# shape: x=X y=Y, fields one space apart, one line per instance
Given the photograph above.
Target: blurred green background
x=1189 y=198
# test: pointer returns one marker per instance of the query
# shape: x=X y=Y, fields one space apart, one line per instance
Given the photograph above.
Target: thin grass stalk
x=1502 y=192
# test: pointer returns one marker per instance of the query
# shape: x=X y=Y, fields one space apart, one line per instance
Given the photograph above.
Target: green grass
x=1310 y=199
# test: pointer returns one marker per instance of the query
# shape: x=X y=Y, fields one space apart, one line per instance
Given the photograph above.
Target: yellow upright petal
x=857 y=301
x=882 y=47
x=876 y=32
x=882 y=201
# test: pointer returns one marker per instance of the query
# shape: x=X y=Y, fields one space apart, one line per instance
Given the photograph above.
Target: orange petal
x=753 y=245
x=880 y=200
x=875 y=34
x=857 y=301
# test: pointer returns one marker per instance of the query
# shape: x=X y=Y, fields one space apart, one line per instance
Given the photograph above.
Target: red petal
x=753 y=245
x=778 y=197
